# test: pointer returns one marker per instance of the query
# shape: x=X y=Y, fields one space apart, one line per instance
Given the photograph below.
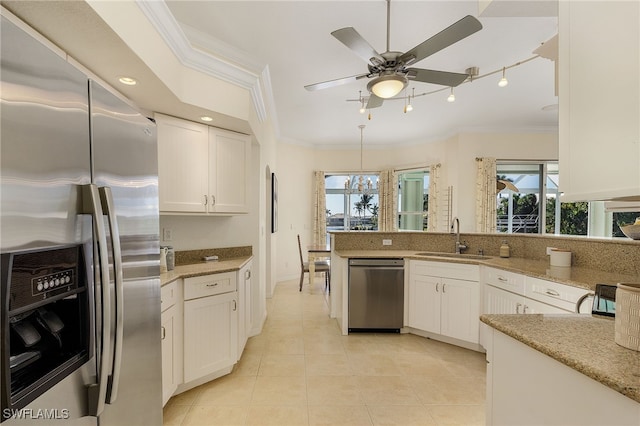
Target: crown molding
x=190 y=47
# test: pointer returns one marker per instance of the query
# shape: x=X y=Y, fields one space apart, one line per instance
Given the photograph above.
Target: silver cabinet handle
x=524 y=309
x=444 y=285
x=213 y=200
x=164 y=333
x=502 y=279
x=247 y=274
x=235 y=305
x=106 y=197
x=552 y=292
x=91 y=205
x=518 y=307
x=206 y=200
x=212 y=285
x=437 y=284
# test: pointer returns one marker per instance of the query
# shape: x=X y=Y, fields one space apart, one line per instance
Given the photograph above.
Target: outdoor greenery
x=361 y=208
x=574 y=218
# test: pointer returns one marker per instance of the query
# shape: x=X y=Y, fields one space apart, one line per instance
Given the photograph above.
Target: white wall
x=456 y=155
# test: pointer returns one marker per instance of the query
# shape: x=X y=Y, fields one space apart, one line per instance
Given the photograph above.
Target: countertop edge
x=203 y=268
x=599 y=375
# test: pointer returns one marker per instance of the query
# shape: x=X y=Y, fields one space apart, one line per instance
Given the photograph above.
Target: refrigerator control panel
x=37 y=277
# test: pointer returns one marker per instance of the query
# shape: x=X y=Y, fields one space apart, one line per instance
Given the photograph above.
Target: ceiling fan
x=389 y=69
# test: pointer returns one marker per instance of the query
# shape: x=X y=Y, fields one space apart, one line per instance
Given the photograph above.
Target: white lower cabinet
x=171 y=335
x=526 y=387
x=511 y=293
x=245 y=322
x=210 y=324
x=444 y=299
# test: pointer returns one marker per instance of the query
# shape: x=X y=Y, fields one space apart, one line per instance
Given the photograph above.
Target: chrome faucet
x=459 y=246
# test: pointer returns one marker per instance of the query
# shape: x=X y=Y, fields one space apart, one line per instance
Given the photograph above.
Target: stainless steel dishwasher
x=376 y=294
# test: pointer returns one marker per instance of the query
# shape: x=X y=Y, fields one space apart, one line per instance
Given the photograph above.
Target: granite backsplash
x=608 y=255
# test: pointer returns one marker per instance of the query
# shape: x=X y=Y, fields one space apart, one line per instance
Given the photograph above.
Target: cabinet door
x=497 y=301
x=229 y=161
x=210 y=334
x=182 y=165
x=424 y=303
x=244 y=314
x=169 y=376
x=460 y=309
x=599 y=148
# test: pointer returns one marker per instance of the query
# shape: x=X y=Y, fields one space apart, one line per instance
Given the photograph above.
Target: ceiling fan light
x=451 y=97
x=387 y=86
x=503 y=81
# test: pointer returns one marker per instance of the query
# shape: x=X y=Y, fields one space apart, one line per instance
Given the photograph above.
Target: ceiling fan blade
x=354 y=41
x=443 y=78
x=450 y=35
x=333 y=83
x=374 y=101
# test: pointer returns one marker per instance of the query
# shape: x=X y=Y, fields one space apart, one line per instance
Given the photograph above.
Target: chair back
x=300 y=251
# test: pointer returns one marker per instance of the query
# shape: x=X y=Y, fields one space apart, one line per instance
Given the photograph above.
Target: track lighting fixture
x=503 y=81
x=451 y=97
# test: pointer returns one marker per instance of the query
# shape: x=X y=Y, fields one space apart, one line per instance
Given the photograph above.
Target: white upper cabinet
x=229 y=160
x=182 y=165
x=599 y=98
x=202 y=169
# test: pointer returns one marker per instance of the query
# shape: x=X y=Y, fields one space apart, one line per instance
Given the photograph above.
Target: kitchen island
x=559 y=370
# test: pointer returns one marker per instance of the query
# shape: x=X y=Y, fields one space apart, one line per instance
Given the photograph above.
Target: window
x=413 y=200
x=347 y=207
x=535 y=207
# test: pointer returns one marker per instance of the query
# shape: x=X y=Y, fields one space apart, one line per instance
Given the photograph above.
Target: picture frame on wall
x=274 y=203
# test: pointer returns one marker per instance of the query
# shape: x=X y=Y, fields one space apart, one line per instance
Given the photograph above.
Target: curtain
x=434 y=197
x=388 y=200
x=319 y=210
x=486 y=195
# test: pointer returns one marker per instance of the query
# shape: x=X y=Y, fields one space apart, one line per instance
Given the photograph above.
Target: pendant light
x=503 y=81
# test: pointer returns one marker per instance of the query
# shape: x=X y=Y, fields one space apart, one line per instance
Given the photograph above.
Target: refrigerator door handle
x=91 y=205
x=108 y=207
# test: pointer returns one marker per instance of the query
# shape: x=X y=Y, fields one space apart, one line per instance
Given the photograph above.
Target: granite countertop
x=203 y=268
x=583 y=342
x=574 y=276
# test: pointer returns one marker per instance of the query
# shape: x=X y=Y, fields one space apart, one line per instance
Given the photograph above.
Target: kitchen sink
x=454 y=255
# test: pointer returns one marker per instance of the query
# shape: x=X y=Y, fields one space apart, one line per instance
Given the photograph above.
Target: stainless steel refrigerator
x=79 y=244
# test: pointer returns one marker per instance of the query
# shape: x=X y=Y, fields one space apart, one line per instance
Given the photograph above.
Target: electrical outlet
x=386 y=242
x=167 y=234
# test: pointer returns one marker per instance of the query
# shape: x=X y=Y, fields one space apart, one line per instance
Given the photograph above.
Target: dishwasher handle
x=377 y=262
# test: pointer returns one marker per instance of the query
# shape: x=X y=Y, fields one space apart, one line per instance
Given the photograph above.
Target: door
x=229 y=161
x=124 y=157
x=460 y=309
x=424 y=303
x=210 y=335
x=44 y=158
x=497 y=301
x=183 y=165
x=169 y=381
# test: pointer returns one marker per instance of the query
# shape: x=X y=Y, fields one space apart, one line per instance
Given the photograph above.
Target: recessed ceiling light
x=128 y=81
x=206 y=118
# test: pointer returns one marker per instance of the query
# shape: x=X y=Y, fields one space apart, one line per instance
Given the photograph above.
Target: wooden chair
x=320 y=265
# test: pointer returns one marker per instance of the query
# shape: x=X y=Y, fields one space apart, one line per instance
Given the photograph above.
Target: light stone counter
x=203 y=268
x=582 y=342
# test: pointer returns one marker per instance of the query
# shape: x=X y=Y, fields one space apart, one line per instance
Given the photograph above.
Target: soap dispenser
x=505 y=250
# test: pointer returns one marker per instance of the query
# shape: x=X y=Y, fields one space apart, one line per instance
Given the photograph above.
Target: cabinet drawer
x=554 y=294
x=208 y=285
x=168 y=296
x=505 y=280
x=453 y=270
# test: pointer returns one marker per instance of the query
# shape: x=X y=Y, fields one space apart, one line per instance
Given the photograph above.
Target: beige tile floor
x=302 y=371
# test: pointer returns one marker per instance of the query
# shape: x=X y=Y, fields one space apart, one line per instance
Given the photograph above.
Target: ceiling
x=292 y=39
